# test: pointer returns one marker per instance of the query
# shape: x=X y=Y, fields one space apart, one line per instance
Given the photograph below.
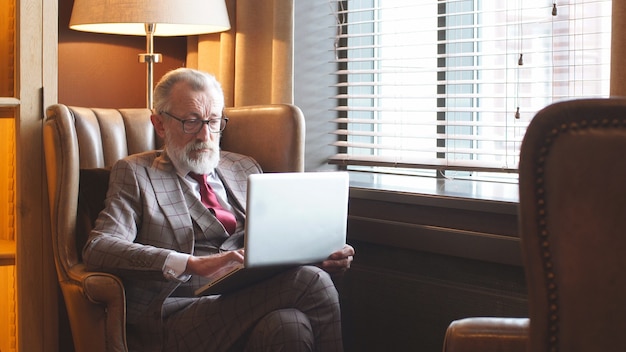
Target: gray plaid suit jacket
x=148 y=214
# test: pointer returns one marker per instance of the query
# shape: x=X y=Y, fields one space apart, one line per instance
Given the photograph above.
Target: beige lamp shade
x=172 y=17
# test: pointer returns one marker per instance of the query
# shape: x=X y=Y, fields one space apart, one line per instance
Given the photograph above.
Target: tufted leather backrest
x=573 y=225
x=107 y=135
x=271 y=134
x=81 y=144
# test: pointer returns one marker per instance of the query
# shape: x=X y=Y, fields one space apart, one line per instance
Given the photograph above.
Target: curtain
x=254 y=59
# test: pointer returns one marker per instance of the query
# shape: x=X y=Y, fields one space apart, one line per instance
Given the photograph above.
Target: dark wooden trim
x=467 y=228
x=423 y=261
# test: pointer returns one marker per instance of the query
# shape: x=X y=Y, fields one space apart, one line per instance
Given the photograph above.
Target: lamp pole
x=150 y=58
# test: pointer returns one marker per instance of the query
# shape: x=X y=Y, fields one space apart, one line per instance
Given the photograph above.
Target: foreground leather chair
x=573 y=230
x=80 y=144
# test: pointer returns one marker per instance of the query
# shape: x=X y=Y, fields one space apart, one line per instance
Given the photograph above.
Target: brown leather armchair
x=573 y=233
x=80 y=143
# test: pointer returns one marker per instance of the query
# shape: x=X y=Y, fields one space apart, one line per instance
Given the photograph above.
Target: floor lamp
x=150 y=18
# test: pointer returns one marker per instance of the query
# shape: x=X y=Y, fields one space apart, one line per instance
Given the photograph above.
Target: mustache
x=198 y=146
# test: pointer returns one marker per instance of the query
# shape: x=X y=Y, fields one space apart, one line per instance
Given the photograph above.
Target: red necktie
x=210 y=201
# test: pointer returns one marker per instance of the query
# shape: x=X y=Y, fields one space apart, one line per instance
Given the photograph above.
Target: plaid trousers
x=297 y=310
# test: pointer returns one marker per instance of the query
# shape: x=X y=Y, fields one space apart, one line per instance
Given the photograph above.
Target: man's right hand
x=211 y=265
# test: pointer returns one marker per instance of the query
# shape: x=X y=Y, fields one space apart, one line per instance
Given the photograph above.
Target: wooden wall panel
x=8 y=314
x=419 y=266
x=8 y=295
x=7 y=48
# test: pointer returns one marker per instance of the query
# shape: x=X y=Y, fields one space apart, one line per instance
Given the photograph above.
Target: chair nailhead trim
x=550 y=276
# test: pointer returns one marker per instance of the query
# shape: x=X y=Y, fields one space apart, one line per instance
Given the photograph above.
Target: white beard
x=203 y=164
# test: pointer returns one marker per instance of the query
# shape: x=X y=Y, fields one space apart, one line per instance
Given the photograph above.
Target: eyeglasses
x=193 y=126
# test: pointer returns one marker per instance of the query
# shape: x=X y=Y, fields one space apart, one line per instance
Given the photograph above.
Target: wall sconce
x=150 y=18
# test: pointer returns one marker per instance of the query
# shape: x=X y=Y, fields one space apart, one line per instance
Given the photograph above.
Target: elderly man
x=171 y=219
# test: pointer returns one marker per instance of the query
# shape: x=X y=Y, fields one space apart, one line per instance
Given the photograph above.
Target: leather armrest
x=99 y=287
x=487 y=335
x=107 y=291
x=103 y=288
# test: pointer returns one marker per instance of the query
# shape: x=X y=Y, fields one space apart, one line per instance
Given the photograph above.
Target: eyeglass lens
x=195 y=125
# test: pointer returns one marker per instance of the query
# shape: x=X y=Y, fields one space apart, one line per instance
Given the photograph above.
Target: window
x=448 y=87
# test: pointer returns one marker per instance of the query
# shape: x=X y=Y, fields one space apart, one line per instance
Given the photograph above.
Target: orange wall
x=102 y=70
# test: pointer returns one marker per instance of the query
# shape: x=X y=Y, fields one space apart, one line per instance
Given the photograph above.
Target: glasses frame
x=223 y=121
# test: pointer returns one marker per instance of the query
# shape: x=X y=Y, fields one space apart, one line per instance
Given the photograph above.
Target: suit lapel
x=167 y=191
x=235 y=184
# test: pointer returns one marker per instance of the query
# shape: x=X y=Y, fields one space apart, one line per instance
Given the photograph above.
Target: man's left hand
x=339 y=261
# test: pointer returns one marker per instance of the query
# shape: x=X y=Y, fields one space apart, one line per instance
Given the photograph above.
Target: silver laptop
x=291 y=219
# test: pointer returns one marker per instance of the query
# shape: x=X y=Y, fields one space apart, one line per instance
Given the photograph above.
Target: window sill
x=486 y=196
x=460 y=218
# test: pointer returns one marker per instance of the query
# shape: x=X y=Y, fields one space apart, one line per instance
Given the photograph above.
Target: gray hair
x=197 y=80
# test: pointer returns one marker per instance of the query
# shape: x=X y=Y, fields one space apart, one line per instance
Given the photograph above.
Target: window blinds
x=452 y=85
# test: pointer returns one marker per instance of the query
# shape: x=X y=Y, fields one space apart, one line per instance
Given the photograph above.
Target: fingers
x=344 y=262
x=237 y=255
x=348 y=262
x=340 y=261
x=337 y=265
x=346 y=252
